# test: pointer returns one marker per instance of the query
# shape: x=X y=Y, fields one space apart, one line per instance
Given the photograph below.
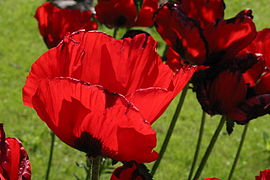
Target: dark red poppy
x=245 y=82
x=264 y=175
x=197 y=31
x=126 y=13
x=14 y=161
x=211 y=179
x=54 y=23
x=100 y=95
x=131 y=170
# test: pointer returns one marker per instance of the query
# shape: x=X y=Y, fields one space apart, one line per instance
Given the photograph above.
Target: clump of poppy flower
x=54 y=23
x=197 y=30
x=126 y=13
x=14 y=161
x=98 y=96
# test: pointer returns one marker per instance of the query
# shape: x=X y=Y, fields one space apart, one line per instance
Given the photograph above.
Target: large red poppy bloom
x=197 y=31
x=126 y=13
x=245 y=82
x=14 y=161
x=54 y=23
x=211 y=179
x=264 y=175
x=100 y=95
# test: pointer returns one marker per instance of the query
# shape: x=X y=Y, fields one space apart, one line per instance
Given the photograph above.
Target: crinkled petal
x=91 y=119
x=152 y=102
x=121 y=66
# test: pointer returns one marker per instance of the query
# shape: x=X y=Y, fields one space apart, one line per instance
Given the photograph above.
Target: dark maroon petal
x=131 y=171
x=213 y=93
x=116 y=13
x=182 y=33
x=251 y=109
x=207 y=12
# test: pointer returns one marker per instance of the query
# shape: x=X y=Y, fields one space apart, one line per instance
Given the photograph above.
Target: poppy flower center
x=87 y=143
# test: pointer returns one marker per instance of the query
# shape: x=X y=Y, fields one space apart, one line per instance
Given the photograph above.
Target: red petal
x=261 y=45
x=232 y=35
x=121 y=66
x=173 y=59
x=263 y=86
x=116 y=13
x=264 y=175
x=207 y=12
x=181 y=33
x=254 y=73
x=145 y=17
x=54 y=23
x=14 y=160
x=95 y=121
x=152 y=102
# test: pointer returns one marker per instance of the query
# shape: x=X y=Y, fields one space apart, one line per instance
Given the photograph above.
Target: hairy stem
x=197 y=146
x=170 y=130
x=209 y=148
x=50 y=156
x=238 y=151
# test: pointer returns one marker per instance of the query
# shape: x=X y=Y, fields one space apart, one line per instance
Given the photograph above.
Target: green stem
x=95 y=168
x=115 y=32
x=238 y=151
x=170 y=130
x=209 y=148
x=88 y=168
x=197 y=146
x=50 y=156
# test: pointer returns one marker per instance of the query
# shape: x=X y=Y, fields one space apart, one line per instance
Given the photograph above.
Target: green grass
x=21 y=45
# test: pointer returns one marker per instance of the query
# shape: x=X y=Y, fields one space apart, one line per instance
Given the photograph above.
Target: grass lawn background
x=21 y=45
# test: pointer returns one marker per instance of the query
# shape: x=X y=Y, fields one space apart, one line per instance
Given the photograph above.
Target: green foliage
x=21 y=45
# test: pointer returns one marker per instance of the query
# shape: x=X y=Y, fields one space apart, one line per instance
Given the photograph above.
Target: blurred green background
x=21 y=45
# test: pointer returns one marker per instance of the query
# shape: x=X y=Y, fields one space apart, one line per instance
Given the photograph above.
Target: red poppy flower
x=264 y=175
x=211 y=179
x=131 y=170
x=15 y=164
x=100 y=95
x=197 y=31
x=54 y=23
x=124 y=13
